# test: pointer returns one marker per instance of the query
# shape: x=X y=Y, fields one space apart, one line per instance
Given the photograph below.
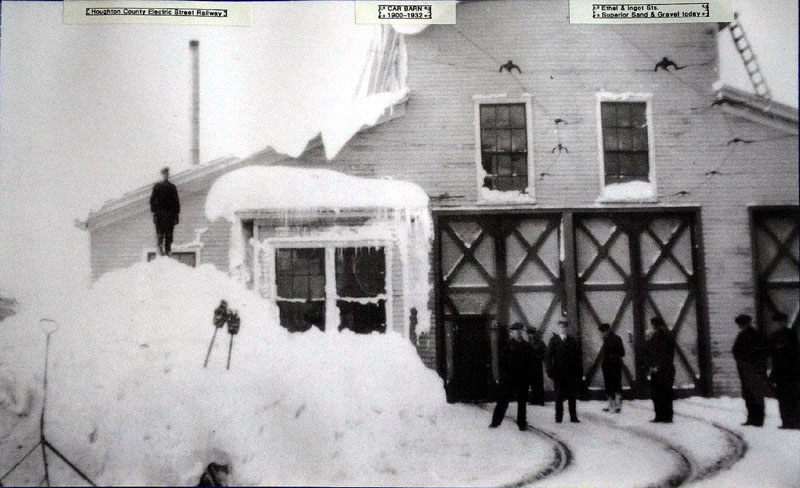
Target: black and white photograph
x=523 y=243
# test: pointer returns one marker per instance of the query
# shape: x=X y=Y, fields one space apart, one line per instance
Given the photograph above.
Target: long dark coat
x=164 y=199
x=660 y=352
x=515 y=363
x=612 y=353
x=751 y=351
x=538 y=351
x=785 y=356
x=564 y=365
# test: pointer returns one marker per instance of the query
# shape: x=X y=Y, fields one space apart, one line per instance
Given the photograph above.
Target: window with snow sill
x=503 y=158
x=359 y=282
x=625 y=150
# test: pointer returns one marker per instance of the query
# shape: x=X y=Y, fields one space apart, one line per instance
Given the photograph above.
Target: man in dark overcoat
x=785 y=375
x=514 y=370
x=612 y=352
x=660 y=352
x=536 y=378
x=166 y=208
x=565 y=368
x=750 y=350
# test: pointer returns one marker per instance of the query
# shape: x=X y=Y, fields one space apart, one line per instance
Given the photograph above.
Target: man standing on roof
x=166 y=207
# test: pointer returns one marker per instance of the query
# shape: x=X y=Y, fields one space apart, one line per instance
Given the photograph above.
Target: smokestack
x=194 y=47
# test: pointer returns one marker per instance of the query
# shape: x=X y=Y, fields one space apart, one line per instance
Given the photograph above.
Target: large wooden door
x=502 y=267
x=615 y=266
x=631 y=267
x=775 y=255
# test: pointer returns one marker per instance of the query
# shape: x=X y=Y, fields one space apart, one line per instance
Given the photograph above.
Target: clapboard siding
x=563 y=67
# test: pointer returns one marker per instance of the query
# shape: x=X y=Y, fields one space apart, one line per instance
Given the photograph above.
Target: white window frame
x=647 y=98
x=332 y=317
x=502 y=98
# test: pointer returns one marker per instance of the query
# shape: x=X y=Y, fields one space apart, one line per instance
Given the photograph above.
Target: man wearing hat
x=514 y=370
x=750 y=351
x=565 y=369
x=660 y=352
x=166 y=207
x=538 y=351
x=783 y=344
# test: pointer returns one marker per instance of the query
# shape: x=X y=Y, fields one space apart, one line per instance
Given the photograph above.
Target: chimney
x=194 y=47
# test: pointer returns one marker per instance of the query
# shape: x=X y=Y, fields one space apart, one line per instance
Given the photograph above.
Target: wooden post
x=569 y=272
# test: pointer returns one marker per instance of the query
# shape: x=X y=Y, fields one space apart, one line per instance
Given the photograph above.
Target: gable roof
x=136 y=200
x=753 y=107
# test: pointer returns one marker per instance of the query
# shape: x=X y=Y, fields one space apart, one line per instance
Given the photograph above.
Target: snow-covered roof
x=136 y=200
x=758 y=109
x=282 y=188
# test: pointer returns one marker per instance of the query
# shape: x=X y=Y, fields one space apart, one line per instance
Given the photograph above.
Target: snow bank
x=632 y=191
x=130 y=403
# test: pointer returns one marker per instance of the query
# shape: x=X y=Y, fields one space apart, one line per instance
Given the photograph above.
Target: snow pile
x=130 y=403
x=632 y=191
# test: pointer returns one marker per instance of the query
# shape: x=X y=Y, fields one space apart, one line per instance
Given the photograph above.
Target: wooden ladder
x=749 y=58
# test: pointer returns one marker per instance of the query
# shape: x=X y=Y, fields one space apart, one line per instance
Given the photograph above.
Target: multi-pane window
x=361 y=289
x=625 y=144
x=300 y=280
x=504 y=146
x=359 y=278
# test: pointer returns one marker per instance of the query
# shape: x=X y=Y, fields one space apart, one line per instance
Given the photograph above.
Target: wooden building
x=586 y=183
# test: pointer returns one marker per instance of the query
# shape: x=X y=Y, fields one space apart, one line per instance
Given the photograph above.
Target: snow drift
x=130 y=403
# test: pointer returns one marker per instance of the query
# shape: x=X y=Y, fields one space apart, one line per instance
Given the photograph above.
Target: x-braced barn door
x=493 y=270
x=775 y=254
x=633 y=266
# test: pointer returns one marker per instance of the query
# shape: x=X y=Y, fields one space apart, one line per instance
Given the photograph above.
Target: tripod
x=48 y=326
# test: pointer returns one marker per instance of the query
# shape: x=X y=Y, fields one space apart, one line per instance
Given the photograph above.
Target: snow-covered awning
x=282 y=188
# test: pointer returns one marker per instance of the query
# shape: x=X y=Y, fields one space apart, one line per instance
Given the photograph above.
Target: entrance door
x=775 y=254
x=471 y=359
x=632 y=267
x=614 y=266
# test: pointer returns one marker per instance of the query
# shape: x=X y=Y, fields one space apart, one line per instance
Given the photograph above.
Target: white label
x=639 y=12
x=405 y=12
x=156 y=12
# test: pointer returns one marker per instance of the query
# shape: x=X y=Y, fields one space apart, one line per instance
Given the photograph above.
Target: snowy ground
x=130 y=403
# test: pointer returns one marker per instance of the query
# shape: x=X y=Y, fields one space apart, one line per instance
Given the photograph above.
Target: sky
x=91 y=111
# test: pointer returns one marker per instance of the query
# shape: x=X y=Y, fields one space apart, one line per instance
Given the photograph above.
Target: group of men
x=753 y=353
x=521 y=368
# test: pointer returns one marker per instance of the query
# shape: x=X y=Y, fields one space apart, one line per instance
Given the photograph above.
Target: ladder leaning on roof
x=749 y=58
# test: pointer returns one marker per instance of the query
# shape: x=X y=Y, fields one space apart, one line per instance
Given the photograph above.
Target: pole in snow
x=233 y=328
x=220 y=317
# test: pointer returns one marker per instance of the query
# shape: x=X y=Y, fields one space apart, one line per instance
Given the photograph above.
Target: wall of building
x=563 y=67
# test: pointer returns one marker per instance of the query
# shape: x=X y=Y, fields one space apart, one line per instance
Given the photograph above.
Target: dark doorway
x=471 y=358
